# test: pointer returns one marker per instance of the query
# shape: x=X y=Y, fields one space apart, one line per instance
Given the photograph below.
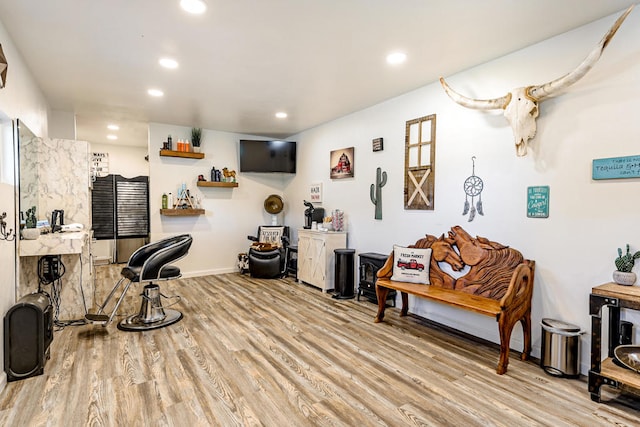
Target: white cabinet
x=316 y=259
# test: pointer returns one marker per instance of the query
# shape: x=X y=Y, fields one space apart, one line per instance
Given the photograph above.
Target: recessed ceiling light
x=396 y=58
x=155 y=92
x=168 y=63
x=281 y=115
x=193 y=6
x=113 y=127
x=112 y=137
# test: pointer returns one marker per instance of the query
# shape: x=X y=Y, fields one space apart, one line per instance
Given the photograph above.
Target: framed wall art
x=419 y=163
x=538 y=201
x=341 y=162
x=315 y=192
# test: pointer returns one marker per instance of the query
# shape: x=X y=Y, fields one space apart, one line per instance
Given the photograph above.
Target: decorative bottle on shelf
x=170 y=201
x=169 y=143
x=165 y=201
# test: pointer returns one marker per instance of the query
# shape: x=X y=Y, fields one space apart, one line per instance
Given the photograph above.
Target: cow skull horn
x=521 y=105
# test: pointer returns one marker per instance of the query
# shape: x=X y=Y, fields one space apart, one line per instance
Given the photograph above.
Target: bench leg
x=504 y=352
x=525 y=321
x=405 y=304
x=506 y=323
x=381 y=294
x=505 y=327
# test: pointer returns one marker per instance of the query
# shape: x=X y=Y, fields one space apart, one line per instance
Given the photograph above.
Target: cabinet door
x=304 y=259
x=318 y=255
x=311 y=259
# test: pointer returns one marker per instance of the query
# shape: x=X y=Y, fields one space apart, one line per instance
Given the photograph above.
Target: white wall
x=575 y=247
x=62 y=124
x=231 y=213
x=21 y=98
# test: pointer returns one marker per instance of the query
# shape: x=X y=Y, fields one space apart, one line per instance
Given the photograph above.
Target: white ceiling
x=244 y=60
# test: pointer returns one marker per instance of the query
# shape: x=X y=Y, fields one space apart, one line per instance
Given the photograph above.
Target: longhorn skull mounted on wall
x=521 y=105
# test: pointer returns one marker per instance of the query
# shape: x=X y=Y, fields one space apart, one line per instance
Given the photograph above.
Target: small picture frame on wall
x=341 y=163
x=377 y=144
x=538 y=201
x=315 y=192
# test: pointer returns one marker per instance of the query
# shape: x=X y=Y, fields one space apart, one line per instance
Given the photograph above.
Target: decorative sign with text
x=100 y=164
x=315 y=193
x=538 y=202
x=616 y=168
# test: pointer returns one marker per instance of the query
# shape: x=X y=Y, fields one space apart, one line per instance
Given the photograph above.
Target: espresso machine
x=312 y=214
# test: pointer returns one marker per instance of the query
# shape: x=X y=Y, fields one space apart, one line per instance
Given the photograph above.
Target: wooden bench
x=499 y=283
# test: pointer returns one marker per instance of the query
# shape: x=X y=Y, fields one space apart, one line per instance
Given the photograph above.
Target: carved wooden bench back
x=491 y=264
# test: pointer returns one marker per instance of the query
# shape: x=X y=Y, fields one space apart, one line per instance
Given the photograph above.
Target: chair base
x=152 y=315
x=134 y=323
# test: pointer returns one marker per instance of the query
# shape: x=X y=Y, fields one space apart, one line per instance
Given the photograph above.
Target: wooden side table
x=606 y=372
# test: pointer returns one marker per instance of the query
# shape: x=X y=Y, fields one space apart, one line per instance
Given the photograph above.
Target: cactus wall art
x=376 y=192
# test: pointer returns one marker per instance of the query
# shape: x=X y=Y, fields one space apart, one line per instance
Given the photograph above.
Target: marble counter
x=54 y=244
x=55 y=174
x=76 y=290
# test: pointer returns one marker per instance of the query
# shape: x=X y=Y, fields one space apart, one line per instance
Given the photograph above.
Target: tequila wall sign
x=616 y=168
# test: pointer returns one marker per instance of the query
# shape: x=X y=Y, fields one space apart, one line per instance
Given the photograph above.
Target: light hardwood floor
x=278 y=353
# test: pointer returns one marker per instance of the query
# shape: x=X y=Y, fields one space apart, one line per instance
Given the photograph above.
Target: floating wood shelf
x=190 y=155
x=181 y=212
x=216 y=184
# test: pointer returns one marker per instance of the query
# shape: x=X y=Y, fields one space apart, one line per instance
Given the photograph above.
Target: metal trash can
x=560 y=355
x=344 y=273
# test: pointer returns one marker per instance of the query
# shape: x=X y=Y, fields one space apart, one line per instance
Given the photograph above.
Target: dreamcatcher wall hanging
x=473 y=188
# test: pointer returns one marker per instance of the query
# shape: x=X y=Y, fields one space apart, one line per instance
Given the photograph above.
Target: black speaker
x=28 y=332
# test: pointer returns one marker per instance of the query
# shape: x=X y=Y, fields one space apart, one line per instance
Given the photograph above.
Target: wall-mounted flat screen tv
x=267 y=156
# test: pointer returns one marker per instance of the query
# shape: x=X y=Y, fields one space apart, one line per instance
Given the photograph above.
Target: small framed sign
x=377 y=144
x=315 y=192
x=100 y=164
x=538 y=202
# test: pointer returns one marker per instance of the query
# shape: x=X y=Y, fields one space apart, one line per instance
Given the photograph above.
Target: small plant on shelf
x=625 y=262
x=196 y=136
x=31 y=221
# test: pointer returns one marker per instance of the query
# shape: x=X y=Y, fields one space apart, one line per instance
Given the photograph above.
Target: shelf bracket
x=596 y=302
x=596 y=381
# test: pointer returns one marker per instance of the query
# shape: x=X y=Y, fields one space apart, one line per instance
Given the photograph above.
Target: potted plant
x=624 y=264
x=30 y=232
x=196 y=136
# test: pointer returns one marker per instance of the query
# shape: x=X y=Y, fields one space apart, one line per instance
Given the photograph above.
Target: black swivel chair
x=148 y=264
x=270 y=263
